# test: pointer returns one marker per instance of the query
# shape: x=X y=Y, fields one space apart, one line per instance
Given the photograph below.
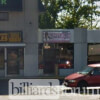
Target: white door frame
x=5 y=58
x=5 y=53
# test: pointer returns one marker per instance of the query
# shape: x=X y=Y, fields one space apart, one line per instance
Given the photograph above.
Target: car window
x=86 y=70
x=96 y=71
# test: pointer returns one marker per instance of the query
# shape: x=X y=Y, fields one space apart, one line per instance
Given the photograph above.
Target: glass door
x=49 y=59
x=12 y=61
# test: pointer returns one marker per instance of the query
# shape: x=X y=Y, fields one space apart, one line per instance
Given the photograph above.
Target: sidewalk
x=70 y=97
x=80 y=97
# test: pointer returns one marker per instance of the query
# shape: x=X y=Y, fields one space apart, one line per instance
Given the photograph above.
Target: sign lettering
x=14 y=37
x=57 y=36
x=3 y=37
x=10 y=37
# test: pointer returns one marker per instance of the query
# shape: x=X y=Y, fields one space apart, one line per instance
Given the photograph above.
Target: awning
x=12 y=44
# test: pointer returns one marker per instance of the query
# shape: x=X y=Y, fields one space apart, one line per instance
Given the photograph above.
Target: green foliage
x=48 y=19
x=69 y=14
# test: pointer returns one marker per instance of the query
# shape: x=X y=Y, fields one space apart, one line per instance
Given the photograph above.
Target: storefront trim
x=12 y=44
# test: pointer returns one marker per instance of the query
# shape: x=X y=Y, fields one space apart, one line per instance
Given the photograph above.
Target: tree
x=79 y=13
x=49 y=17
x=69 y=14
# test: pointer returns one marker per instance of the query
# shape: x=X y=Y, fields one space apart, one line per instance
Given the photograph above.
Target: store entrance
x=49 y=59
x=55 y=58
x=11 y=60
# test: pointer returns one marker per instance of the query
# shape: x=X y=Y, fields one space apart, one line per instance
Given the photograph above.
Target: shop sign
x=10 y=37
x=3 y=37
x=10 y=5
x=56 y=36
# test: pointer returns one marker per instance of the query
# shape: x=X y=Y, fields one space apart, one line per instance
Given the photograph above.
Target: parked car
x=90 y=76
x=63 y=63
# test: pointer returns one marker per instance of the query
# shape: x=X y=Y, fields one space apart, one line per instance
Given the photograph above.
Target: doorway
x=11 y=60
x=49 y=59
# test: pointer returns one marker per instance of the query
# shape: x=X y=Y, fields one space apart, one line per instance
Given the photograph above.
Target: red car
x=87 y=77
x=64 y=64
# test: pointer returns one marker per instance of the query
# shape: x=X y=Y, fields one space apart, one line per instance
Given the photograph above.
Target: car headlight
x=72 y=81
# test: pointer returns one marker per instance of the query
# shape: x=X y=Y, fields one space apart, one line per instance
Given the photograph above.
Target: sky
x=98 y=18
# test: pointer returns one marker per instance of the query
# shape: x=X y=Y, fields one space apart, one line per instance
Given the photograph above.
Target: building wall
x=93 y=36
x=31 y=37
x=80 y=52
x=27 y=22
x=79 y=38
x=80 y=48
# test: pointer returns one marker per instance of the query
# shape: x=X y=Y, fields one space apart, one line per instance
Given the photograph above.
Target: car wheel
x=82 y=85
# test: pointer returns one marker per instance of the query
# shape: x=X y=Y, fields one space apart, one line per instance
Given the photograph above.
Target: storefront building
x=26 y=51
x=62 y=52
x=18 y=38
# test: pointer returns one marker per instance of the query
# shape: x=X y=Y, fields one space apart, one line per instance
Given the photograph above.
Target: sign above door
x=11 y=37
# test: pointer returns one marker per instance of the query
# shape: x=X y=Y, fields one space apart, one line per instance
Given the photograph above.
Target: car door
x=94 y=79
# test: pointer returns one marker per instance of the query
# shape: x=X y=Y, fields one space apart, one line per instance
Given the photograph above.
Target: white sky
x=98 y=18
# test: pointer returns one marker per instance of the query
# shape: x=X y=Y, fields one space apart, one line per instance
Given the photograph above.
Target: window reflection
x=15 y=60
x=93 y=53
x=12 y=67
x=57 y=53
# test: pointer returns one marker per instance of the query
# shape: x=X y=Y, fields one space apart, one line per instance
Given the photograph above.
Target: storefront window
x=93 y=53
x=15 y=60
x=65 y=56
x=55 y=54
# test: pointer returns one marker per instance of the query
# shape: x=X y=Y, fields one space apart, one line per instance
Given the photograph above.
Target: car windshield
x=86 y=70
